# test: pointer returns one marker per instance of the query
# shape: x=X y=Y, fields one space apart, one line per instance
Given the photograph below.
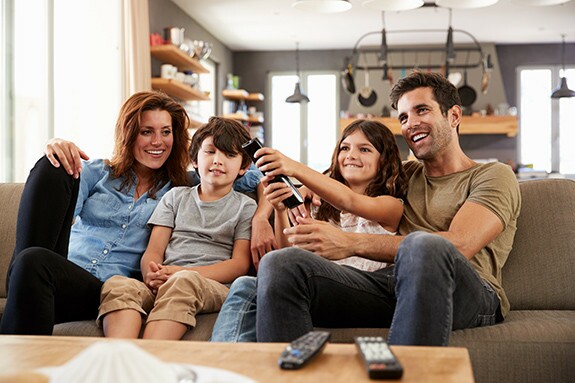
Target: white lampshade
x=465 y=3
x=539 y=3
x=322 y=6
x=392 y=5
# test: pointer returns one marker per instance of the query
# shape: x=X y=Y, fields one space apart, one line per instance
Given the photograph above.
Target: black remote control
x=304 y=348
x=251 y=147
x=379 y=360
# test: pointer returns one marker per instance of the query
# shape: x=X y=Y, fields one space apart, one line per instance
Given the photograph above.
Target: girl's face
x=358 y=161
x=154 y=142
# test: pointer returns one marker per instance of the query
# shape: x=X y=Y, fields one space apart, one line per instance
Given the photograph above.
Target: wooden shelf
x=241 y=94
x=171 y=54
x=506 y=125
x=245 y=118
x=178 y=89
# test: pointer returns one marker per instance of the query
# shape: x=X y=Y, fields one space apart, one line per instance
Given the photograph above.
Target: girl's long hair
x=127 y=129
x=390 y=178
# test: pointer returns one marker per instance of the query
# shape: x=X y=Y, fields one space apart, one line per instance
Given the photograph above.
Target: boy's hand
x=158 y=274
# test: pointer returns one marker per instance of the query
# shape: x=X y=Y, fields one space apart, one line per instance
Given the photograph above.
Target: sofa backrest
x=9 y=201
x=540 y=271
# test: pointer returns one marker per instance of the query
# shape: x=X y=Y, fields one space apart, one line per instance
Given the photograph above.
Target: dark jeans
x=44 y=288
x=431 y=290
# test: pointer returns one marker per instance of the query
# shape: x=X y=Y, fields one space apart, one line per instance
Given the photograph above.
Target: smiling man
x=456 y=233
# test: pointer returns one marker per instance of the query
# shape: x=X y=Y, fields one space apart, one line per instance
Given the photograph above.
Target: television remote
x=379 y=360
x=251 y=147
x=304 y=348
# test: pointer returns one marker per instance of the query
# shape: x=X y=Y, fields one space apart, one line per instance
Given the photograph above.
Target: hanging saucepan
x=347 y=79
x=466 y=93
x=367 y=96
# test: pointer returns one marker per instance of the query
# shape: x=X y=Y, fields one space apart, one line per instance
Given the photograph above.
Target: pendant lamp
x=563 y=90
x=322 y=6
x=297 y=96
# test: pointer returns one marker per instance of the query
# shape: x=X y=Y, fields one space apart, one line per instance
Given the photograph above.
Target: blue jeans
x=236 y=321
x=431 y=290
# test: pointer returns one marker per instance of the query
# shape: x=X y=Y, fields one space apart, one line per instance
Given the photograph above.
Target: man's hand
x=263 y=240
x=321 y=238
x=69 y=155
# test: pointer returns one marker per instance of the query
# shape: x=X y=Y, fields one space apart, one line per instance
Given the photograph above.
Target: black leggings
x=44 y=288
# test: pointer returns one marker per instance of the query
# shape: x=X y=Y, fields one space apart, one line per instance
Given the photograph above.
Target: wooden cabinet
x=170 y=54
x=506 y=125
x=239 y=95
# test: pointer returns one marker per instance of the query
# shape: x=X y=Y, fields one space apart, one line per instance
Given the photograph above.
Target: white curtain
x=137 y=71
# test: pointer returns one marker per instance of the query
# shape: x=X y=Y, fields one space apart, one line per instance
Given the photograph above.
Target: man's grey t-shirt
x=203 y=232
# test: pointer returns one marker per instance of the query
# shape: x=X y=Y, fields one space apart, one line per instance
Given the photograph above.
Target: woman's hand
x=69 y=155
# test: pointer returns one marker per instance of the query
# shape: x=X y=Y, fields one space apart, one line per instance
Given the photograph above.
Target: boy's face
x=215 y=167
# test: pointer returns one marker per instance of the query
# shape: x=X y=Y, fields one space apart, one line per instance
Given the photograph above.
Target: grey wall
x=253 y=67
x=513 y=56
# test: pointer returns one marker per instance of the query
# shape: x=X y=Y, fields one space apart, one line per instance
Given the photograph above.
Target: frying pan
x=466 y=93
x=367 y=96
x=347 y=79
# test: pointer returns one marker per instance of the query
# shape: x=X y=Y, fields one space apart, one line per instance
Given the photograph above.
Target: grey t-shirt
x=203 y=232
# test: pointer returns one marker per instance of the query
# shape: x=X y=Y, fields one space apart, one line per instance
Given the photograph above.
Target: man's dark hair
x=444 y=92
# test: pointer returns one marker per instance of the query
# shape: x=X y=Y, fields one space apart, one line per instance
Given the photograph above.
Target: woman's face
x=358 y=161
x=154 y=141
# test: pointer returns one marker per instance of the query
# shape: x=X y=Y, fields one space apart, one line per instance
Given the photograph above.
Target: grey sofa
x=536 y=342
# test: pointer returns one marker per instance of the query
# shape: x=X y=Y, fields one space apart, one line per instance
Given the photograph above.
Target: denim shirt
x=110 y=232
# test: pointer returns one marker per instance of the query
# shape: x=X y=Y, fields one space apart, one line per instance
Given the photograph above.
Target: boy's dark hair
x=444 y=92
x=390 y=178
x=229 y=136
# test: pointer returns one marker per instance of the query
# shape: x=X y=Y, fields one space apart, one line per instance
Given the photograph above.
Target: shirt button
x=94 y=261
x=105 y=251
x=123 y=226
x=129 y=207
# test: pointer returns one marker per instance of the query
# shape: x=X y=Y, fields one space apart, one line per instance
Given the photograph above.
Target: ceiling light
x=539 y=3
x=465 y=3
x=392 y=5
x=322 y=6
x=563 y=90
x=297 y=96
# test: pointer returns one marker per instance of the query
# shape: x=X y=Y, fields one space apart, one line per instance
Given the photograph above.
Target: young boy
x=200 y=242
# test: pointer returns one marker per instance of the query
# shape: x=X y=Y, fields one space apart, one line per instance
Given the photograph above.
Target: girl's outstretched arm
x=386 y=210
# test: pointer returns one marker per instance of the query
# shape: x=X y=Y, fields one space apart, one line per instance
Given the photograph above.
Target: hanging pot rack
x=383 y=52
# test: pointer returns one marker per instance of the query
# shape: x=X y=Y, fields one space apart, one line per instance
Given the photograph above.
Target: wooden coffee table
x=338 y=363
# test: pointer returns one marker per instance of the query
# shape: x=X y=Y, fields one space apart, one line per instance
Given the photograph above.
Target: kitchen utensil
x=455 y=78
x=347 y=79
x=201 y=49
x=486 y=67
x=174 y=35
x=367 y=96
x=466 y=93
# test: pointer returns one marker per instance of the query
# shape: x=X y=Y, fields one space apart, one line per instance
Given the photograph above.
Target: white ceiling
x=268 y=25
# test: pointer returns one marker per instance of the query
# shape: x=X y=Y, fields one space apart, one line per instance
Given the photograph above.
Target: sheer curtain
x=137 y=70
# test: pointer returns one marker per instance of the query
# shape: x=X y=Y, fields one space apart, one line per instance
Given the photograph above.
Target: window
x=547 y=128
x=63 y=75
x=305 y=132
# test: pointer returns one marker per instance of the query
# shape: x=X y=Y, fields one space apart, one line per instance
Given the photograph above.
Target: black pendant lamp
x=563 y=90
x=297 y=96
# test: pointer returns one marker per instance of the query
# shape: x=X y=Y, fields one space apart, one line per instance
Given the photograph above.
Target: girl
x=362 y=193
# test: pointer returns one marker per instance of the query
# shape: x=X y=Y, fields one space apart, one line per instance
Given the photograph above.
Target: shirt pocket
x=100 y=210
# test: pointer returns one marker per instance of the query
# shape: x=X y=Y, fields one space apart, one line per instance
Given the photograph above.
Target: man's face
x=425 y=129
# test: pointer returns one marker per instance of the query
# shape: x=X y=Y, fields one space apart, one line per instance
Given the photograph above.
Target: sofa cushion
x=539 y=271
x=10 y=197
